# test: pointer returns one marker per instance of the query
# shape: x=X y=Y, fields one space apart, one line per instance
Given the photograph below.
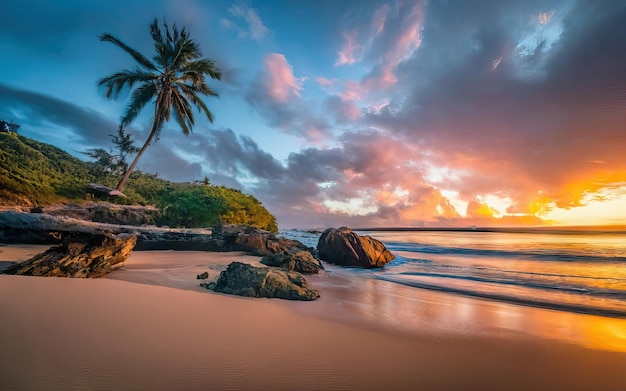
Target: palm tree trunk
x=130 y=169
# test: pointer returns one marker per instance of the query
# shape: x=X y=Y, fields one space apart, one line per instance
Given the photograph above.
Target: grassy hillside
x=34 y=173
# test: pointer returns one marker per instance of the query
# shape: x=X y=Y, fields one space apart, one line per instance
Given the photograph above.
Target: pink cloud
x=352 y=90
x=350 y=52
x=281 y=84
x=379 y=19
x=324 y=82
x=385 y=49
x=405 y=43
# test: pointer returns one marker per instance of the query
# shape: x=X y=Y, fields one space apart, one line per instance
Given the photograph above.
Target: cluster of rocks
x=340 y=246
x=89 y=249
x=233 y=237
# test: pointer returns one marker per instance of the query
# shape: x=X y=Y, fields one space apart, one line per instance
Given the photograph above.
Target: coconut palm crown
x=173 y=80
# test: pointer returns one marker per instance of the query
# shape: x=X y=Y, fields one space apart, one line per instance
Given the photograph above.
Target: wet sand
x=150 y=326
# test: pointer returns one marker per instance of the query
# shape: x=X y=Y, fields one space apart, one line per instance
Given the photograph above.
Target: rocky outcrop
x=343 y=247
x=246 y=280
x=37 y=228
x=104 y=212
x=84 y=255
x=255 y=241
x=202 y=276
x=301 y=262
x=43 y=228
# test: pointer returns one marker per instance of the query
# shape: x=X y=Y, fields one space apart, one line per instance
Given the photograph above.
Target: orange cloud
x=477 y=209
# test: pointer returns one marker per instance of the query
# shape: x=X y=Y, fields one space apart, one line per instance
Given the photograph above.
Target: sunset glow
x=377 y=113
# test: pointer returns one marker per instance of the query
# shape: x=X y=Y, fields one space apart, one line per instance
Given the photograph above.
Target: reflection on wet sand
x=356 y=298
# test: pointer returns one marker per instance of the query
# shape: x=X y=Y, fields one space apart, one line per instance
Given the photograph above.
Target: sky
x=360 y=113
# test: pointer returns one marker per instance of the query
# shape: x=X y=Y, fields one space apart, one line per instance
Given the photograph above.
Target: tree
x=8 y=127
x=173 y=80
x=109 y=162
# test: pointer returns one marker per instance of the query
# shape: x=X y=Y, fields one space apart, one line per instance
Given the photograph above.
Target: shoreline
x=151 y=325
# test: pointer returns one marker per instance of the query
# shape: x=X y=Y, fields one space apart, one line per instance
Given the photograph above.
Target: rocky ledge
x=42 y=228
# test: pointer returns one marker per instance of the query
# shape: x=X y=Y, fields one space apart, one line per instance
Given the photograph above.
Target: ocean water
x=572 y=271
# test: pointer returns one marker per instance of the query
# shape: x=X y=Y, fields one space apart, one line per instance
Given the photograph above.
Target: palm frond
x=160 y=47
x=163 y=104
x=140 y=58
x=183 y=114
x=204 y=66
x=139 y=98
x=119 y=81
x=191 y=95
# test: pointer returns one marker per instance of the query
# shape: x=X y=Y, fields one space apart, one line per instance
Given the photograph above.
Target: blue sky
x=361 y=113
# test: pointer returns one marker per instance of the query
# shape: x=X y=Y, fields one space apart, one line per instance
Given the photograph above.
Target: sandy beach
x=150 y=326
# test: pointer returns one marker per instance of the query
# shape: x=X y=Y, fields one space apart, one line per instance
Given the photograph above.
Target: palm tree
x=173 y=81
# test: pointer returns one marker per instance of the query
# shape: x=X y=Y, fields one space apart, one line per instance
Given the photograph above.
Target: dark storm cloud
x=87 y=126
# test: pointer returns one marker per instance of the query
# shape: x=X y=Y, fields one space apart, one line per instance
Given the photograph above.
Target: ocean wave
x=566 y=287
x=605 y=307
x=536 y=254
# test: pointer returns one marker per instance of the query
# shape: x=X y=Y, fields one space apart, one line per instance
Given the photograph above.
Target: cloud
x=275 y=93
x=527 y=138
x=255 y=29
x=390 y=39
x=367 y=166
x=40 y=113
x=343 y=111
x=350 y=52
x=280 y=83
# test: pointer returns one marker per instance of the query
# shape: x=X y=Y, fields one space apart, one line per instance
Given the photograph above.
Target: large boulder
x=301 y=262
x=243 y=279
x=253 y=240
x=83 y=255
x=343 y=247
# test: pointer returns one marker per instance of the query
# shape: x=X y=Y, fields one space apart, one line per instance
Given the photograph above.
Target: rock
x=42 y=228
x=301 y=262
x=246 y=280
x=84 y=255
x=69 y=220
x=202 y=276
x=343 y=247
x=36 y=209
x=255 y=241
x=37 y=228
x=208 y=285
x=102 y=190
x=105 y=212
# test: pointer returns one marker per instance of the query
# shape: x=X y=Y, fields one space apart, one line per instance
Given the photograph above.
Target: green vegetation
x=173 y=81
x=34 y=173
